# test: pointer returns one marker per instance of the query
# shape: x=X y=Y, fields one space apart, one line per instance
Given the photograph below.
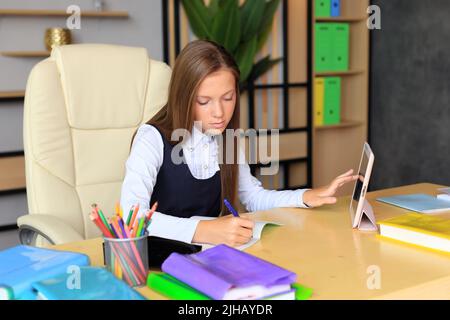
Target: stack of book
x=224 y=273
x=21 y=266
x=428 y=231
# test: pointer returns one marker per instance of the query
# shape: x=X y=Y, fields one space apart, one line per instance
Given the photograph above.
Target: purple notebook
x=217 y=270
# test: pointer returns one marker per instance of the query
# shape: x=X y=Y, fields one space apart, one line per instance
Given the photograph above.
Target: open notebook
x=257 y=232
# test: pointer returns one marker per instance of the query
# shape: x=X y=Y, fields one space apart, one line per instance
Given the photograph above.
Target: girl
x=204 y=89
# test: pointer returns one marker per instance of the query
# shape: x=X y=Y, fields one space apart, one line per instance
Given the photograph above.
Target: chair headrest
x=104 y=85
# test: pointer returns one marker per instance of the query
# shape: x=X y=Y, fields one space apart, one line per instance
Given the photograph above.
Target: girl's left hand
x=325 y=195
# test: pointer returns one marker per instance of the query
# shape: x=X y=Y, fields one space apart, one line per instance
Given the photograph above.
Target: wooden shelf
x=25 y=54
x=338 y=73
x=12 y=94
x=337 y=148
x=343 y=124
x=62 y=13
x=12 y=173
x=340 y=19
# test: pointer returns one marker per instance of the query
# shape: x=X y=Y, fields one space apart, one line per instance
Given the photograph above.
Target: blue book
x=94 y=283
x=21 y=265
x=422 y=203
x=335 y=8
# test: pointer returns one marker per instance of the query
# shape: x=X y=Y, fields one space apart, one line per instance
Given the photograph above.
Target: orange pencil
x=151 y=211
x=135 y=227
x=135 y=212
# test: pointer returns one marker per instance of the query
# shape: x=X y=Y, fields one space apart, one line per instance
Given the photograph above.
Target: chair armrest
x=55 y=230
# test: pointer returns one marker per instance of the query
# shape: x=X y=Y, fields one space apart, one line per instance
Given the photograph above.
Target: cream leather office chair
x=82 y=106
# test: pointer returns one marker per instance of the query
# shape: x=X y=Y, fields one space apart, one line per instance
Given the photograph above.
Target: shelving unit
x=343 y=124
x=25 y=54
x=12 y=169
x=338 y=73
x=12 y=94
x=12 y=173
x=341 y=19
x=337 y=148
x=62 y=13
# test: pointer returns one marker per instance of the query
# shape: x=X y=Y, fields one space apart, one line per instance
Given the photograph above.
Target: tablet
x=360 y=209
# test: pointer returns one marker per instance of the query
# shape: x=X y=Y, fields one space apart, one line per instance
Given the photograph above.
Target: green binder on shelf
x=323 y=47
x=332 y=101
x=322 y=8
x=341 y=46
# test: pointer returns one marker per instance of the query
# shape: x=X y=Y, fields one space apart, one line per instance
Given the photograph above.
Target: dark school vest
x=180 y=194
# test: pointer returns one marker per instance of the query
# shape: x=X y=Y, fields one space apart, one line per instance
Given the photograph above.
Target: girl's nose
x=217 y=111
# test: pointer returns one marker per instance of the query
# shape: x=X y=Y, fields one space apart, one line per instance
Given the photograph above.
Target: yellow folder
x=319 y=92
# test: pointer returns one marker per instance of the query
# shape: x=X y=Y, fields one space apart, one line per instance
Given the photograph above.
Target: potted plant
x=241 y=29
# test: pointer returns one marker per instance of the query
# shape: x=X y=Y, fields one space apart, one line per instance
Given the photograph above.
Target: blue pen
x=230 y=207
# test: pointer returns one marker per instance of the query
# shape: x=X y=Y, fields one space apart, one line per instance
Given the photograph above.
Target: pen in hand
x=230 y=207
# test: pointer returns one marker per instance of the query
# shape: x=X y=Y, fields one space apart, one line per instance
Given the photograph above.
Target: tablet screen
x=362 y=171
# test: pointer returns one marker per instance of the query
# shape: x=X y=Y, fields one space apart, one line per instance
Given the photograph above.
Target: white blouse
x=201 y=153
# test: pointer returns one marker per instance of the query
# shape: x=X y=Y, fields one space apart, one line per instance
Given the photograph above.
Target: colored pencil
x=126 y=262
x=133 y=217
x=141 y=225
x=130 y=214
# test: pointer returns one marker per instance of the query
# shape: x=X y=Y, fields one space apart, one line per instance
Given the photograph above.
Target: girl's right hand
x=229 y=230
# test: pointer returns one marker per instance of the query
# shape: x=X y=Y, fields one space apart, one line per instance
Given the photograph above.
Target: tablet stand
x=367 y=221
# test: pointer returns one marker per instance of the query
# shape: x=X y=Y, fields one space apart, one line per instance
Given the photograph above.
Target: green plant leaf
x=226 y=28
x=263 y=36
x=199 y=17
x=245 y=55
x=252 y=13
x=262 y=66
x=266 y=24
x=214 y=6
x=269 y=11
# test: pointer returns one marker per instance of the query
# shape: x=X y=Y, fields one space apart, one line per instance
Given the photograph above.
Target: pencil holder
x=127 y=259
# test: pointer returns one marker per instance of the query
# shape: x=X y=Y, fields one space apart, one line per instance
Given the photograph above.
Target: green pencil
x=129 y=215
x=105 y=222
x=141 y=225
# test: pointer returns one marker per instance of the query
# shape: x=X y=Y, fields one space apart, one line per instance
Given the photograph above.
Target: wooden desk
x=333 y=259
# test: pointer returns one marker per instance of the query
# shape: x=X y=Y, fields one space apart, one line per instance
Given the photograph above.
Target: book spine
x=340 y=33
x=318 y=101
x=323 y=47
x=322 y=8
x=335 y=8
x=332 y=101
